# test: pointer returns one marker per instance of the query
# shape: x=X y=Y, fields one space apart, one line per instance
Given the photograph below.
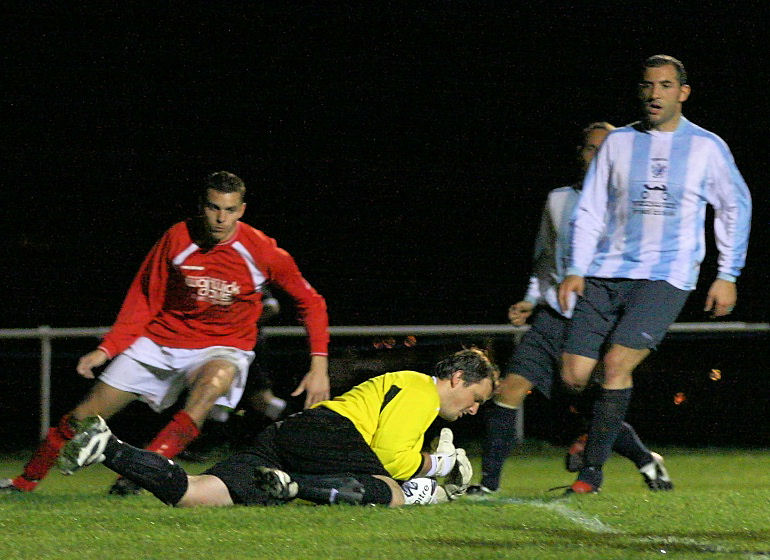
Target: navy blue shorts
x=537 y=357
x=632 y=313
x=314 y=441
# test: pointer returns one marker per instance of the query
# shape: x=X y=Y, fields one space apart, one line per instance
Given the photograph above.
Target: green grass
x=719 y=509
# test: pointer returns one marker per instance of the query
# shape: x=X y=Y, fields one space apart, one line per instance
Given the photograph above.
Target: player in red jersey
x=189 y=321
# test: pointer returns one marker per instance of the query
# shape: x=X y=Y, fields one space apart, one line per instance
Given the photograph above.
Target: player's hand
x=444 y=454
x=721 y=298
x=89 y=361
x=518 y=313
x=459 y=478
x=571 y=284
x=315 y=384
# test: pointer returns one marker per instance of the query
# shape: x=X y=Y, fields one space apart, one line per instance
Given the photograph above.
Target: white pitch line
x=595 y=525
x=592 y=524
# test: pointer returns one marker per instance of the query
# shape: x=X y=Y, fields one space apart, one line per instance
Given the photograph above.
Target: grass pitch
x=720 y=508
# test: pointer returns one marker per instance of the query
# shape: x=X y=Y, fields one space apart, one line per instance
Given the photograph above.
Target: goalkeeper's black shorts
x=314 y=441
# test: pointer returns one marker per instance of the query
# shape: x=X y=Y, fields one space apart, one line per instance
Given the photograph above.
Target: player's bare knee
x=215 y=379
x=205 y=490
x=206 y=392
x=397 y=493
x=512 y=391
x=618 y=371
x=617 y=379
x=573 y=383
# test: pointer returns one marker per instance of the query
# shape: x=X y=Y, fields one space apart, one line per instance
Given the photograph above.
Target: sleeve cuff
x=433 y=466
x=726 y=277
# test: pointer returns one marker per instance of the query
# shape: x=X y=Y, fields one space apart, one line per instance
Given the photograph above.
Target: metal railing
x=47 y=334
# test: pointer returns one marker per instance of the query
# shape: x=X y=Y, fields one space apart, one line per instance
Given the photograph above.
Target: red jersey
x=185 y=296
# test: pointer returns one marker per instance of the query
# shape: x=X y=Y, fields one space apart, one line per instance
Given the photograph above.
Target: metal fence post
x=45 y=379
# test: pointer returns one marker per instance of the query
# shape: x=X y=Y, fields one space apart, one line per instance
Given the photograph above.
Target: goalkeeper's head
x=465 y=380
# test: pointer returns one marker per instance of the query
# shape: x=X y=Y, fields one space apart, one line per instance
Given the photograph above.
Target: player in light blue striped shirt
x=637 y=244
x=535 y=363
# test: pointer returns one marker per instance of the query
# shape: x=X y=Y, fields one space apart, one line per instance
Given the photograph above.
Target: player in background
x=260 y=396
x=363 y=447
x=637 y=243
x=189 y=321
x=537 y=358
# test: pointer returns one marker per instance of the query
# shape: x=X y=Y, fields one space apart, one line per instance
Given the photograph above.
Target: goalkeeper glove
x=459 y=478
x=444 y=455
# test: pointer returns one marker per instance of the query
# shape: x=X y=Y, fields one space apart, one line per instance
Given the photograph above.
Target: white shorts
x=159 y=374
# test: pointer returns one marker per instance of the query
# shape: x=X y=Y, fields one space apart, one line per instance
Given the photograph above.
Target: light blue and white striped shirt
x=552 y=249
x=642 y=210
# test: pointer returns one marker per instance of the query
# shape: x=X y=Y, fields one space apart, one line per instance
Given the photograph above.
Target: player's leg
x=102 y=399
x=629 y=445
x=499 y=417
x=649 y=307
x=211 y=381
x=207 y=384
x=205 y=490
x=330 y=489
x=146 y=370
x=576 y=371
x=316 y=445
x=306 y=456
x=650 y=464
x=94 y=443
x=608 y=411
x=592 y=322
x=532 y=365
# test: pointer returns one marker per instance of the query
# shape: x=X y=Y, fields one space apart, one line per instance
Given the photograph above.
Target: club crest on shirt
x=658 y=168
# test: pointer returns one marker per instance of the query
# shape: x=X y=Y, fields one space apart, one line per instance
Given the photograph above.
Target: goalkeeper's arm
x=441 y=459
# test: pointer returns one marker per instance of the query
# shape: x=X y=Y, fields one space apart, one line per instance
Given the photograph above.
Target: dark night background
x=401 y=153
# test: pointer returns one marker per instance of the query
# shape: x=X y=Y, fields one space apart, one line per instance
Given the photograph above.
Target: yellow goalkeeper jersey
x=392 y=412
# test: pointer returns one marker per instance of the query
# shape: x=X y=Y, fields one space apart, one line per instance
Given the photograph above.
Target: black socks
x=166 y=480
x=499 y=439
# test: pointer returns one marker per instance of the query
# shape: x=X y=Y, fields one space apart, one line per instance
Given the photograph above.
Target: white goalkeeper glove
x=459 y=478
x=443 y=456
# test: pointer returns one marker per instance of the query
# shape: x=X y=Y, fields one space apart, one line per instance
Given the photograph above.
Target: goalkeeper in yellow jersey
x=363 y=447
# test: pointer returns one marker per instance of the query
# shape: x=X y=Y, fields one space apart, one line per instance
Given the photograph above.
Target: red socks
x=175 y=436
x=45 y=456
x=171 y=440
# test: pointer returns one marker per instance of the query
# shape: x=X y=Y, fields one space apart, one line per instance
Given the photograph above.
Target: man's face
x=221 y=211
x=464 y=399
x=662 y=96
x=591 y=145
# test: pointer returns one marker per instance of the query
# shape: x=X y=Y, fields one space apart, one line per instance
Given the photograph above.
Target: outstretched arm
x=316 y=381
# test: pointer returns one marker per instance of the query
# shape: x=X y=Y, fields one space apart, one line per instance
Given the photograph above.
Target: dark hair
x=598 y=125
x=474 y=364
x=225 y=182
x=659 y=60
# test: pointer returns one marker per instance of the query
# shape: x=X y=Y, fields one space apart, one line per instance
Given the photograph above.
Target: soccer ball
x=420 y=491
